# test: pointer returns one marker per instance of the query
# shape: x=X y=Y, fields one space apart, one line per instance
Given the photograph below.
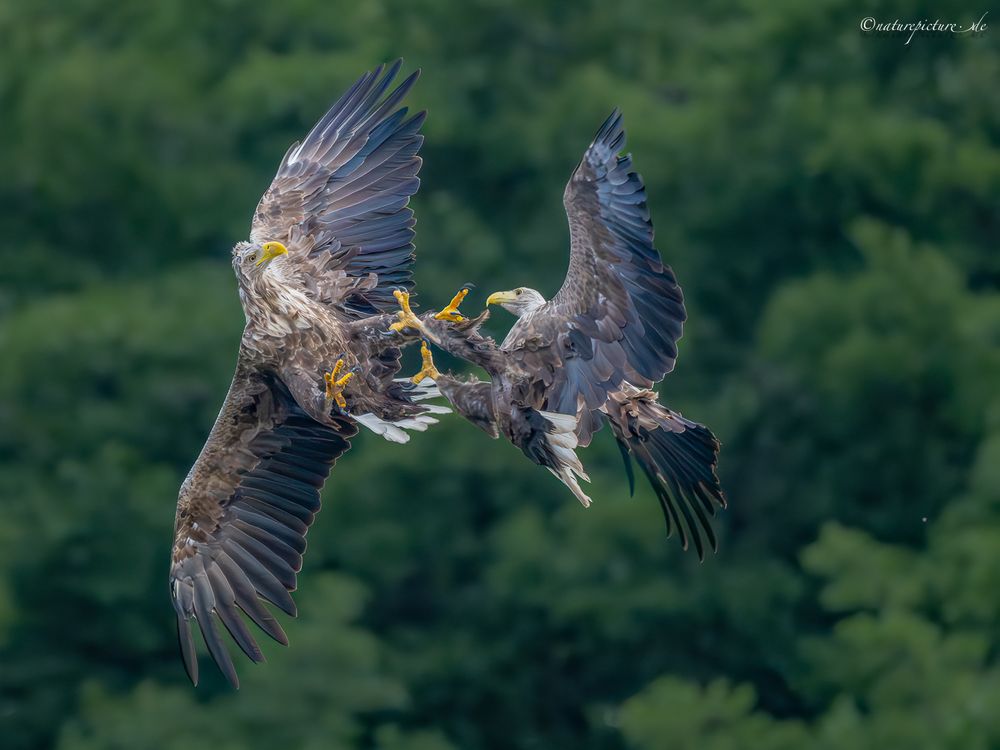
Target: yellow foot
x=406 y=317
x=427 y=370
x=451 y=313
x=335 y=385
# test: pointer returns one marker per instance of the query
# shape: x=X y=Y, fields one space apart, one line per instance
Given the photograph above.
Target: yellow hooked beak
x=498 y=298
x=270 y=251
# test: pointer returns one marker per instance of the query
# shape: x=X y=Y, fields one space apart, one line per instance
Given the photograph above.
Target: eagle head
x=252 y=260
x=519 y=301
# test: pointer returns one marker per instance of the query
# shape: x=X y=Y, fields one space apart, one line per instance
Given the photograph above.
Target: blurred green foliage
x=829 y=200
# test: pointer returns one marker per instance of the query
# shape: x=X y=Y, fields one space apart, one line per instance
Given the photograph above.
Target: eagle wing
x=338 y=201
x=619 y=313
x=243 y=513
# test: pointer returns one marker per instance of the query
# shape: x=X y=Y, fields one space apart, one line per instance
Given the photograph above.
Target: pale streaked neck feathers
x=273 y=303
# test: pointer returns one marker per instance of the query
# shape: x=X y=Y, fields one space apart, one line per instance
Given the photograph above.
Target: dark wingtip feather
x=416 y=121
x=394 y=67
x=204 y=605
x=240 y=633
x=683 y=500
x=679 y=459
x=188 y=654
x=217 y=649
x=629 y=471
x=670 y=514
x=406 y=84
x=720 y=497
x=609 y=133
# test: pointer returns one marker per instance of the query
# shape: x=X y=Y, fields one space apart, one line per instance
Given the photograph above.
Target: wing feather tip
x=189 y=656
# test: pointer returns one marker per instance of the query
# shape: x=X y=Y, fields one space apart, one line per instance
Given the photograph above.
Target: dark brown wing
x=678 y=456
x=243 y=513
x=338 y=201
x=620 y=311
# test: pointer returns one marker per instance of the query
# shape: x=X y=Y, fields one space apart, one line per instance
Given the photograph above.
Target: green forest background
x=830 y=201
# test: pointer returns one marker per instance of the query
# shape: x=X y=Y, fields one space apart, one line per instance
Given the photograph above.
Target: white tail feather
x=435 y=409
x=418 y=424
x=422 y=391
x=566 y=477
x=563 y=441
x=560 y=422
x=380 y=427
x=394 y=431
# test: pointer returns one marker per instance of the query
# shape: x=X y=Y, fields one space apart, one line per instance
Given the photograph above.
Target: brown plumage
x=591 y=354
x=330 y=240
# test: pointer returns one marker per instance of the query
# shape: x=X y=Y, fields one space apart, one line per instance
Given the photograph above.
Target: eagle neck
x=275 y=307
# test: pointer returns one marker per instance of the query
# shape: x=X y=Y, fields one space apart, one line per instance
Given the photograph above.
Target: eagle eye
x=252 y=257
x=518 y=291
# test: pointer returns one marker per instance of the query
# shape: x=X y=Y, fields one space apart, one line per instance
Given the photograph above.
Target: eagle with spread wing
x=592 y=353
x=331 y=240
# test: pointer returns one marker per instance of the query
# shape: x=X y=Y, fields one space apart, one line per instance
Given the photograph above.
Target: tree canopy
x=830 y=201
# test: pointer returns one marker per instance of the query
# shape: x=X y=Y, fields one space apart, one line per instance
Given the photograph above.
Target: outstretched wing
x=243 y=513
x=339 y=199
x=620 y=311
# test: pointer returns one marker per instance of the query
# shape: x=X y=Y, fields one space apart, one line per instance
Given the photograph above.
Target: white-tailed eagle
x=592 y=353
x=330 y=241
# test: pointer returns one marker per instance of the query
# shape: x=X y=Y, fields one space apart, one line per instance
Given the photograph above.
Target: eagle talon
x=427 y=369
x=450 y=313
x=335 y=384
x=406 y=317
